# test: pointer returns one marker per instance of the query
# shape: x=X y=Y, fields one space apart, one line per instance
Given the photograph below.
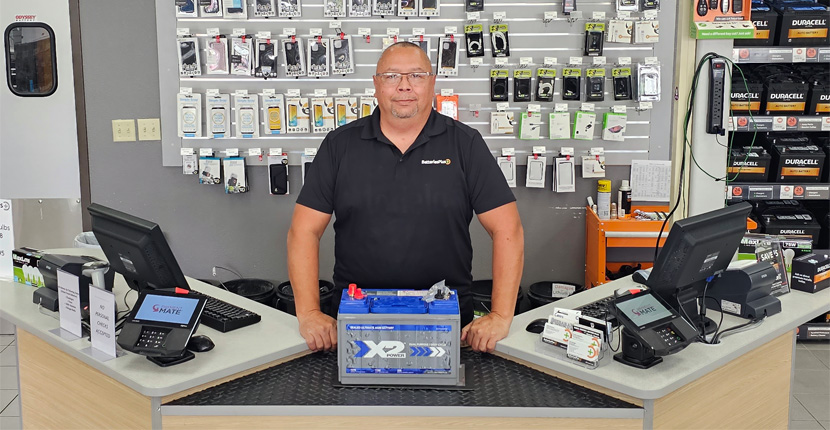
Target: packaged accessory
x=265 y=8
x=584 y=125
x=335 y=9
x=499 y=41
x=186 y=9
x=360 y=8
x=278 y=174
x=342 y=63
x=595 y=85
x=568 y=6
x=211 y=8
x=189 y=64
x=498 y=85
x=648 y=82
x=298 y=115
x=266 y=58
x=622 y=83
x=560 y=125
x=209 y=171
x=564 y=173
x=236 y=181
x=218 y=107
x=571 y=83
x=241 y=56
x=530 y=126
x=345 y=110
x=407 y=8
x=306 y=161
x=189 y=107
x=536 y=170
x=217 y=56
x=318 y=57
x=235 y=9
x=594 y=37
x=190 y=164
x=613 y=126
x=473 y=5
x=508 y=169
x=448 y=105
x=247 y=115
x=274 y=107
x=289 y=8
x=544 y=84
x=474 y=34
x=501 y=123
x=626 y=5
x=619 y=31
x=430 y=8
x=423 y=42
x=655 y=4
x=647 y=31
x=384 y=7
x=447 y=57
x=521 y=85
x=322 y=111
x=294 y=60
x=367 y=105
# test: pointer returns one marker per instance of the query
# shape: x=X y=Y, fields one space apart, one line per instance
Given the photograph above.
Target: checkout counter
x=262 y=376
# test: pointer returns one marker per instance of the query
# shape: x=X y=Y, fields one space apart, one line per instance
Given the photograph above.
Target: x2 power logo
x=395 y=349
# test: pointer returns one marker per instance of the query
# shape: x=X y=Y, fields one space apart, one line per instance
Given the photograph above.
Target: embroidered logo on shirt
x=445 y=162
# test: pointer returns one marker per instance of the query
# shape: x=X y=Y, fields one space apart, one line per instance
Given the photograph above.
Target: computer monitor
x=136 y=248
x=697 y=248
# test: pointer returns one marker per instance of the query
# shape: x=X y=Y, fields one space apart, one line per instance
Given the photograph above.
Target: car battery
x=765 y=21
x=395 y=337
x=785 y=93
x=749 y=165
x=802 y=23
x=798 y=222
x=745 y=97
x=762 y=206
x=824 y=143
x=797 y=163
x=818 y=96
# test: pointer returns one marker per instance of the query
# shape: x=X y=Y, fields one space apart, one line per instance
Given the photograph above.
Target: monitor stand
x=688 y=298
x=635 y=353
x=172 y=361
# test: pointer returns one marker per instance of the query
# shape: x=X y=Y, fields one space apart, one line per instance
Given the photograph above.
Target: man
x=404 y=184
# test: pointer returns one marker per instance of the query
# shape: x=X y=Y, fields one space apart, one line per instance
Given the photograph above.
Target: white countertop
x=271 y=339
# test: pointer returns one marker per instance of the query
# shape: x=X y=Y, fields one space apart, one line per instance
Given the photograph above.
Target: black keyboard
x=223 y=316
x=599 y=310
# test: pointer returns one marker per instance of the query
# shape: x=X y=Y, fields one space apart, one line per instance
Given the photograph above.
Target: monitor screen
x=643 y=310
x=167 y=309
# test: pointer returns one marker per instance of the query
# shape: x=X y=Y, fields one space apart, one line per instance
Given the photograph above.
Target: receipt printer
x=746 y=292
x=49 y=265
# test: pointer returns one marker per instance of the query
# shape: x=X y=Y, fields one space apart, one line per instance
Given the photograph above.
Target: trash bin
x=285 y=298
x=542 y=293
x=86 y=240
x=258 y=290
x=482 y=297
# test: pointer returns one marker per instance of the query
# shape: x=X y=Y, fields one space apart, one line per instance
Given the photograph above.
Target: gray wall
x=247 y=232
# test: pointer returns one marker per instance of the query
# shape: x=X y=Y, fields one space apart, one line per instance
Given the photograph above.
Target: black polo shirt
x=402 y=220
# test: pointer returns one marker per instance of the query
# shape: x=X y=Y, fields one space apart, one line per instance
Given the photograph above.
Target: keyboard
x=223 y=316
x=599 y=309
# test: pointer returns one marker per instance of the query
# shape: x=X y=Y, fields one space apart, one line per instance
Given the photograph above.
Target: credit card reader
x=160 y=325
x=651 y=329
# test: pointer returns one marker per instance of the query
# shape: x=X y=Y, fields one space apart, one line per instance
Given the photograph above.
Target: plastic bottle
x=604 y=199
x=625 y=196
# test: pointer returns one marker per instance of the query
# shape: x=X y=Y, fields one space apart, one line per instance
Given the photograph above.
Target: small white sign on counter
x=6 y=240
x=102 y=320
x=69 y=303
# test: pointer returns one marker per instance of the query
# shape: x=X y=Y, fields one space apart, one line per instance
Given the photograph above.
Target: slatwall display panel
x=647 y=134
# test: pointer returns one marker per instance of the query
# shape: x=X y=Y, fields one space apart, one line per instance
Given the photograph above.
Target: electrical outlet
x=717 y=90
x=149 y=129
x=123 y=130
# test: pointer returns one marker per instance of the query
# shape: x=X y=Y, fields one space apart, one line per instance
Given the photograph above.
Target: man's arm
x=307 y=226
x=505 y=228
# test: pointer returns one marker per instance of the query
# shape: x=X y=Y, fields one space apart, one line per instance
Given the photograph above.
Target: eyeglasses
x=394 y=78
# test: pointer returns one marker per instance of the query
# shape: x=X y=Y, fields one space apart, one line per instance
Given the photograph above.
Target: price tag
x=419 y=31
x=624 y=61
x=315 y=32
x=213 y=32
x=364 y=31
x=577 y=14
x=268 y=92
x=588 y=107
x=206 y=152
x=450 y=30
x=550 y=61
x=501 y=61
x=238 y=32
x=650 y=14
x=293 y=92
x=618 y=109
x=508 y=152
x=212 y=92
x=566 y=151
x=186 y=91
x=473 y=16
x=241 y=92
x=181 y=32
x=599 y=61
x=334 y=24
x=550 y=16
x=825 y=123
x=320 y=92
x=393 y=31
x=476 y=61
x=799 y=55
x=344 y=91
x=539 y=150
x=534 y=107
x=289 y=31
x=263 y=34
x=232 y=152
x=779 y=123
x=369 y=91
x=577 y=61
x=502 y=106
x=275 y=151
x=499 y=16
x=525 y=61
x=560 y=107
x=598 y=16
x=446 y=92
x=310 y=152
x=186 y=151
x=644 y=106
x=652 y=61
x=785 y=192
x=254 y=152
x=624 y=14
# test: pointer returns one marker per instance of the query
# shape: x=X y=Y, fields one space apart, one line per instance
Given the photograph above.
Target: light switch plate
x=149 y=129
x=123 y=130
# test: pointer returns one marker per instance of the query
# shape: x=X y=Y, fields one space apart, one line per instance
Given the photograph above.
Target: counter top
x=273 y=338
x=676 y=370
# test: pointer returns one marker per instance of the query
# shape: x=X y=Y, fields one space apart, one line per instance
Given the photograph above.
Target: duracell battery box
x=797 y=163
x=799 y=222
x=802 y=23
x=745 y=97
x=785 y=94
x=765 y=21
x=818 y=96
x=747 y=165
x=811 y=272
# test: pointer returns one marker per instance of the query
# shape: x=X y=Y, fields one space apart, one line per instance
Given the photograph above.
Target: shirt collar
x=436 y=124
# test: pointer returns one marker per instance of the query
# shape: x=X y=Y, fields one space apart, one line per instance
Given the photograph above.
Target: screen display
x=643 y=310
x=167 y=309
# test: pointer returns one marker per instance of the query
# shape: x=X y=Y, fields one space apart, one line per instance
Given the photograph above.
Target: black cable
x=238 y=275
x=716 y=339
x=691 y=323
x=717 y=329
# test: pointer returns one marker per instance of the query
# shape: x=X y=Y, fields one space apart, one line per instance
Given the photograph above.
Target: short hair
x=405 y=44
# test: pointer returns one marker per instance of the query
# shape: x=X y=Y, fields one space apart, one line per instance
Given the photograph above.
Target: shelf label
x=779 y=123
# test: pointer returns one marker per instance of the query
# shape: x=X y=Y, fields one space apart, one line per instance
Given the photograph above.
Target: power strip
x=717 y=88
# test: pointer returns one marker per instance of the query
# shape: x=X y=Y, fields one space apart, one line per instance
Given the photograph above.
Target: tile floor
x=809 y=405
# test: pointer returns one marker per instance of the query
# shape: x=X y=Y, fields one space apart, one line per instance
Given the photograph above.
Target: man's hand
x=483 y=333
x=319 y=331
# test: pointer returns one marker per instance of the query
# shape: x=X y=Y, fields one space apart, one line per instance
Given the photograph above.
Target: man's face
x=405 y=99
